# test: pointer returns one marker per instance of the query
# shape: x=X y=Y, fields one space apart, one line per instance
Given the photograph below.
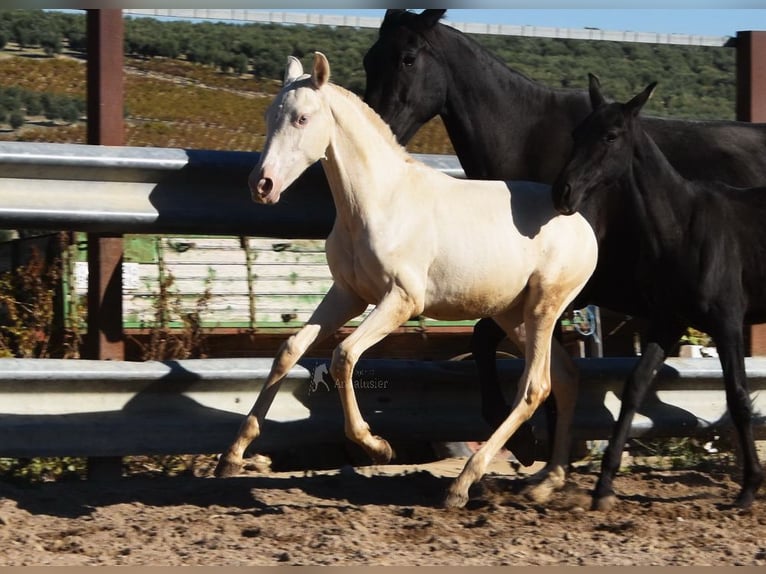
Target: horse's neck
x=504 y=139
x=361 y=160
x=663 y=198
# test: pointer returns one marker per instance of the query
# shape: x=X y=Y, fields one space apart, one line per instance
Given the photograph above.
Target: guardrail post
x=104 y=339
x=751 y=107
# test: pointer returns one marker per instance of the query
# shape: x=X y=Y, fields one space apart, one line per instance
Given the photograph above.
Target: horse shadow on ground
x=73 y=499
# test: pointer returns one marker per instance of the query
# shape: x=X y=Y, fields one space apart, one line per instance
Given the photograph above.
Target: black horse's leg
x=486 y=337
x=636 y=386
x=731 y=351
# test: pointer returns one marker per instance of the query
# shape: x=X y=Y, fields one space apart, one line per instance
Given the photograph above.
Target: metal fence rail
x=309 y=19
x=55 y=407
x=104 y=189
x=107 y=408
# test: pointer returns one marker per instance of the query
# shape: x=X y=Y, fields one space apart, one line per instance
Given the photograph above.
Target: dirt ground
x=377 y=516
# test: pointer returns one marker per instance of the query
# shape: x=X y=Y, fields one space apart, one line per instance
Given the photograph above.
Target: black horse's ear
x=634 y=105
x=594 y=91
x=430 y=18
x=392 y=13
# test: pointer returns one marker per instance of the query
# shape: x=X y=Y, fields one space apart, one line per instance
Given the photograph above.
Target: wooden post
x=104 y=339
x=751 y=107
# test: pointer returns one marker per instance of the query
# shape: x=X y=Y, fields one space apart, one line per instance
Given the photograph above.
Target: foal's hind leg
x=564 y=385
x=487 y=335
x=730 y=347
x=337 y=307
x=534 y=387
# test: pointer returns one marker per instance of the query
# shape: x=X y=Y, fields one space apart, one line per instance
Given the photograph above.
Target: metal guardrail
x=158 y=190
x=52 y=407
x=104 y=408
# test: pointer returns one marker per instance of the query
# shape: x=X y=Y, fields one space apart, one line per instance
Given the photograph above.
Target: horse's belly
x=474 y=297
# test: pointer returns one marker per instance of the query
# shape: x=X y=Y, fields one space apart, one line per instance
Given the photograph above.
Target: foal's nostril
x=265 y=185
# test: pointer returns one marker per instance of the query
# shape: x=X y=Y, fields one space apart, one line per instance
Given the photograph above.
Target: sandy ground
x=376 y=516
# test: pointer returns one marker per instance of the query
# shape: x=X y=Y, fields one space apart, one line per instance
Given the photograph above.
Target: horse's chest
x=356 y=264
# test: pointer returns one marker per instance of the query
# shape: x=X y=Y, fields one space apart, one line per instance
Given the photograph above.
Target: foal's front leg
x=336 y=308
x=662 y=336
x=396 y=308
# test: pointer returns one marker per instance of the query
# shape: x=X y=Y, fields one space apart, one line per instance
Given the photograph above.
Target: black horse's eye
x=610 y=137
x=408 y=60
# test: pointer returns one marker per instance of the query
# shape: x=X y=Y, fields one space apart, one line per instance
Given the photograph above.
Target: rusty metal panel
x=105 y=31
x=751 y=107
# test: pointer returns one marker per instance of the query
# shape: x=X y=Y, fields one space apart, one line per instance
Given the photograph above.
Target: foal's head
x=298 y=124
x=603 y=148
x=406 y=81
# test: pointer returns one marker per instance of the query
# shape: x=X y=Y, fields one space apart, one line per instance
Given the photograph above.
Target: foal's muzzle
x=263 y=189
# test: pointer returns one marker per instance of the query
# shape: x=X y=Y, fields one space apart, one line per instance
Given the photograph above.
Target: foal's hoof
x=745 y=499
x=539 y=493
x=226 y=468
x=455 y=500
x=604 y=503
x=383 y=452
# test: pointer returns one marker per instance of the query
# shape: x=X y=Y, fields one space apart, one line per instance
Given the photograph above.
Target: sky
x=705 y=22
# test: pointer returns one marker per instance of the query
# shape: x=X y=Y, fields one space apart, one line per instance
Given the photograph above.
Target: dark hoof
x=604 y=503
x=226 y=468
x=745 y=499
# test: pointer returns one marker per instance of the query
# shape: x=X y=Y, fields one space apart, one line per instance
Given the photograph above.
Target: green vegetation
x=17 y=104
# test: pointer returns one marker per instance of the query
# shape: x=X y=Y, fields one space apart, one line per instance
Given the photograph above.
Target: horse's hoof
x=384 y=453
x=455 y=500
x=539 y=493
x=604 y=503
x=745 y=500
x=226 y=468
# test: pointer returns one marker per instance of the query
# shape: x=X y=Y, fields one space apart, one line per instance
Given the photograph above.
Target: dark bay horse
x=503 y=125
x=702 y=259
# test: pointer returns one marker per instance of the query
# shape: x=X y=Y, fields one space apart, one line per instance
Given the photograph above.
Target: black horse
x=506 y=126
x=701 y=259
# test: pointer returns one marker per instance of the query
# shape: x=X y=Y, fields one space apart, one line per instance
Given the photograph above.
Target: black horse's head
x=406 y=84
x=603 y=148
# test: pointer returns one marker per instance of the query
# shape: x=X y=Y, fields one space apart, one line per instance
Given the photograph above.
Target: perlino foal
x=411 y=241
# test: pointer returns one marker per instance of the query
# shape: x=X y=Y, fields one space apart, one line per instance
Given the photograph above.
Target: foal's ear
x=293 y=70
x=594 y=91
x=320 y=75
x=634 y=105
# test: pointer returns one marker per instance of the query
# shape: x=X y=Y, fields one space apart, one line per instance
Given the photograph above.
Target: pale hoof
x=455 y=500
x=604 y=503
x=540 y=493
x=226 y=468
x=542 y=485
x=383 y=452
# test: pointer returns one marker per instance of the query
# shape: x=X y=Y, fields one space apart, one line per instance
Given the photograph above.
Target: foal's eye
x=408 y=60
x=610 y=137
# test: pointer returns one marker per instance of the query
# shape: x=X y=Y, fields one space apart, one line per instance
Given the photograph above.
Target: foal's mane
x=375 y=120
